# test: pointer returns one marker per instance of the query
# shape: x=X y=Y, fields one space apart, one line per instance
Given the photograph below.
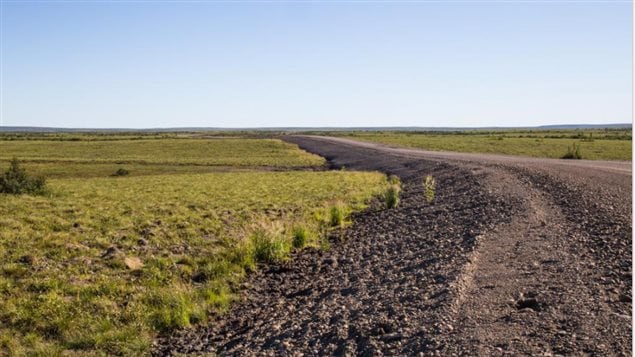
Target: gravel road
x=514 y=256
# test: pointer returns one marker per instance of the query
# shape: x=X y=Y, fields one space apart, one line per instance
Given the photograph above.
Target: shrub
x=573 y=152
x=337 y=215
x=391 y=196
x=300 y=237
x=429 y=186
x=16 y=181
x=121 y=172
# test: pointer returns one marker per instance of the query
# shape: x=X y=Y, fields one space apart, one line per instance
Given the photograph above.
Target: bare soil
x=514 y=256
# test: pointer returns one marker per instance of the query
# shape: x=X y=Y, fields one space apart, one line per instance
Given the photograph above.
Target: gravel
x=510 y=258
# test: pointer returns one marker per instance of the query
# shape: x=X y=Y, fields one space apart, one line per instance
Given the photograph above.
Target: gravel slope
x=515 y=256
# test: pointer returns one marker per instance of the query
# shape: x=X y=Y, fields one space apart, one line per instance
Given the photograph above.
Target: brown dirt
x=515 y=256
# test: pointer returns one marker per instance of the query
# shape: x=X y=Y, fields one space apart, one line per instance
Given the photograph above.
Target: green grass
x=237 y=152
x=429 y=188
x=594 y=144
x=60 y=169
x=101 y=265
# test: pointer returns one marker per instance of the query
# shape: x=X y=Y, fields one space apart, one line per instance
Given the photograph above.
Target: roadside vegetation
x=610 y=144
x=101 y=265
x=429 y=187
x=393 y=192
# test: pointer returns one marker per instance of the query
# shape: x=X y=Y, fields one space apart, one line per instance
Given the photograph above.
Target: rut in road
x=527 y=291
x=494 y=266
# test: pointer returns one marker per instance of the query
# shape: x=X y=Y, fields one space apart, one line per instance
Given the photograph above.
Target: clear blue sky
x=253 y=64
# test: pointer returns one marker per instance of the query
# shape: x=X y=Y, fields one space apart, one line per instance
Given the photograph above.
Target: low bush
x=429 y=186
x=391 y=196
x=573 y=152
x=337 y=215
x=16 y=181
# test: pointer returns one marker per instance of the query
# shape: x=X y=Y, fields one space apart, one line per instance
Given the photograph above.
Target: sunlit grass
x=103 y=264
x=239 y=152
x=594 y=145
x=91 y=170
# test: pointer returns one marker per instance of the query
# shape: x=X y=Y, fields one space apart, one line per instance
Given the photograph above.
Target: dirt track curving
x=516 y=256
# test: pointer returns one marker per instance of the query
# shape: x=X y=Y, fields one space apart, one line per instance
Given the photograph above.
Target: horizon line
x=199 y=128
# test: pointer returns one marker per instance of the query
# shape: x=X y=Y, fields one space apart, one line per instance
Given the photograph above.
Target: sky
x=151 y=64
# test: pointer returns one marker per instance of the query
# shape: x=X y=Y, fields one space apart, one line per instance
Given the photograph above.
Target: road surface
x=514 y=256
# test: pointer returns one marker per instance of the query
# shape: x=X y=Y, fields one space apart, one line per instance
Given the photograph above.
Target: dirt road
x=515 y=256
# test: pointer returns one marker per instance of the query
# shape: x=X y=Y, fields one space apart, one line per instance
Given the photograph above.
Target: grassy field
x=239 y=152
x=56 y=169
x=100 y=265
x=594 y=144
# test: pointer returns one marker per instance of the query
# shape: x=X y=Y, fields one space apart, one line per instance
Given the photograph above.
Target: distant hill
x=36 y=129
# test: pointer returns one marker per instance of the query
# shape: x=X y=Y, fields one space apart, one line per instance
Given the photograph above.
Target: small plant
x=392 y=193
x=391 y=196
x=173 y=310
x=336 y=215
x=394 y=180
x=121 y=172
x=573 y=152
x=429 y=186
x=242 y=254
x=268 y=246
x=300 y=237
x=16 y=181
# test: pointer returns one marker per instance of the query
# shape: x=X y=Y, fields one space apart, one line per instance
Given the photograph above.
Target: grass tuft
x=393 y=192
x=300 y=237
x=391 y=196
x=173 y=309
x=269 y=244
x=337 y=215
x=394 y=180
x=429 y=186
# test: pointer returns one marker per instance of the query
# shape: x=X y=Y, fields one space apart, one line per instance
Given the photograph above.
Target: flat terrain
x=513 y=257
x=99 y=156
x=610 y=144
x=101 y=264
